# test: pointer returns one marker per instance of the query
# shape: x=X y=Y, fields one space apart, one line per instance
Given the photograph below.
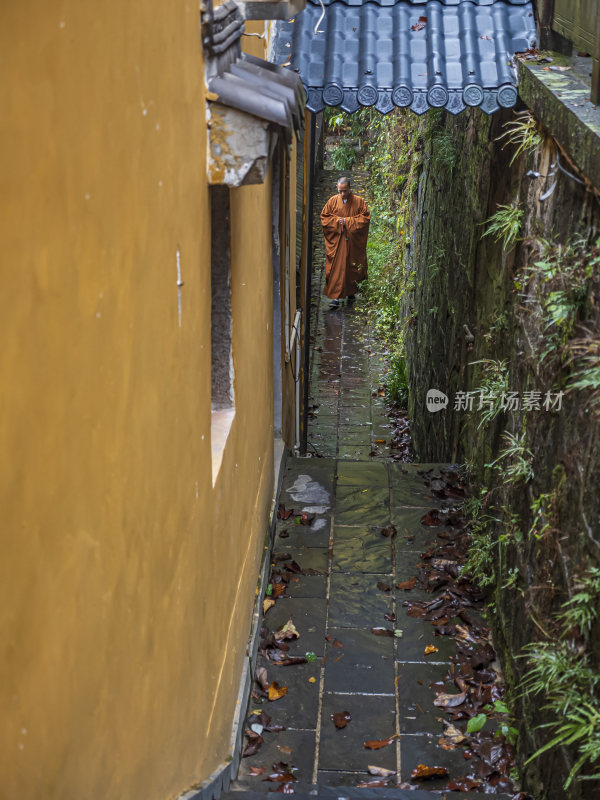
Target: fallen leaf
x=381 y=772
x=406 y=586
x=382 y=631
x=285 y=788
x=390 y=616
x=383 y=587
x=377 y=744
x=252 y=746
x=261 y=678
x=431 y=518
x=485 y=36
x=389 y=531
x=464 y=784
x=373 y=784
x=423 y=773
x=340 y=719
x=276 y=692
x=475 y=724
x=268 y=603
x=431 y=648
x=337 y=644
x=312 y=679
x=287 y=631
x=278 y=589
x=282 y=513
x=257 y=770
x=379 y=441
x=444 y=700
x=419 y=25
x=283 y=748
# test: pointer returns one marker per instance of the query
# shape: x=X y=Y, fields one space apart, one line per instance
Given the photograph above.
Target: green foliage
x=514 y=462
x=492 y=389
x=560 y=670
x=342 y=156
x=505 y=225
x=523 y=133
x=396 y=380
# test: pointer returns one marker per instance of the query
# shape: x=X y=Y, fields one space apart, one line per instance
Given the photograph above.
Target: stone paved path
x=348 y=586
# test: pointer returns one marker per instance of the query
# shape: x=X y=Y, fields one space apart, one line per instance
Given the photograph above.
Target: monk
x=345 y=219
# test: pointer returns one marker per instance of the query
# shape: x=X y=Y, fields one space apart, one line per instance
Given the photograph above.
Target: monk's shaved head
x=343 y=181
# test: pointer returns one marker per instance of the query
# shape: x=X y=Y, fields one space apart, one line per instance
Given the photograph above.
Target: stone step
x=305 y=792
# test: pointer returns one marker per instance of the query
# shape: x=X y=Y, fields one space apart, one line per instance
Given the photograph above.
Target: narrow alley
x=346 y=675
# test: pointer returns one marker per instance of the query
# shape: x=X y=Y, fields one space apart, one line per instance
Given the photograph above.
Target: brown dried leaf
x=276 y=692
x=287 y=631
x=377 y=744
x=407 y=585
x=381 y=772
x=389 y=531
x=383 y=587
x=340 y=719
x=382 y=631
x=418 y=26
x=431 y=648
x=444 y=700
x=268 y=603
x=423 y=772
x=431 y=518
x=282 y=513
x=337 y=644
x=257 y=770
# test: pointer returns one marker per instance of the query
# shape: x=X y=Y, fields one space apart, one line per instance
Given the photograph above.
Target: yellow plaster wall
x=126 y=580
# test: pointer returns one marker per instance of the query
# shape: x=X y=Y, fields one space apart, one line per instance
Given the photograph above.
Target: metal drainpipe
x=310 y=177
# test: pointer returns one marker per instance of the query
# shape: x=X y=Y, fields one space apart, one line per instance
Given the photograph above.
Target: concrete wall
x=126 y=580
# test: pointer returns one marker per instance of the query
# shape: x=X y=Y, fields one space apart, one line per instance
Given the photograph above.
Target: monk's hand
x=342 y=221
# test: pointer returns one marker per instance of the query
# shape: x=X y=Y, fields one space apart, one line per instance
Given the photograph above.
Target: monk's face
x=344 y=190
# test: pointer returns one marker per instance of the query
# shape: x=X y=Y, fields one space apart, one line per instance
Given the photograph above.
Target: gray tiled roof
x=366 y=53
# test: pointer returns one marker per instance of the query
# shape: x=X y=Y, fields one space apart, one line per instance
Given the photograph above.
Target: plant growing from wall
x=505 y=225
x=560 y=669
x=514 y=462
x=523 y=133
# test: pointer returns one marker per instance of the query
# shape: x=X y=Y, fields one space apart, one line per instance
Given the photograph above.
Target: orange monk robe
x=345 y=248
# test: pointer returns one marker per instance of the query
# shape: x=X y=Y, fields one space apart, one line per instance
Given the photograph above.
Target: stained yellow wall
x=126 y=580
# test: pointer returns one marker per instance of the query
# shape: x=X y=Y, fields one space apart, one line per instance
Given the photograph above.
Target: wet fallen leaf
x=312 y=679
x=444 y=700
x=407 y=585
x=378 y=783
x=306 y=519
x=282 y=513
x=464 y=784
x=276 y=692
x=268 y=603
x=431 y=518
x=389 y=531
x=284 y=534
x=253 y=745
x=287 y=631
x=257 y=770
x=419 y=25
x=340 y=719
x=382 y=631
x=283 y=748
x=431 y=648
x=337 y=644
x=379 y=441
x=383 y=587
x=278 y=589
x=377 y=744
x=261 y=678
x=285 y=788
x=424 y=773
x=381 y=772
x=391 y=617
x=475 y=724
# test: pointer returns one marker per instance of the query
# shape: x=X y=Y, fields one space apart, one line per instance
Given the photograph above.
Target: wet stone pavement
x=342 y=576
